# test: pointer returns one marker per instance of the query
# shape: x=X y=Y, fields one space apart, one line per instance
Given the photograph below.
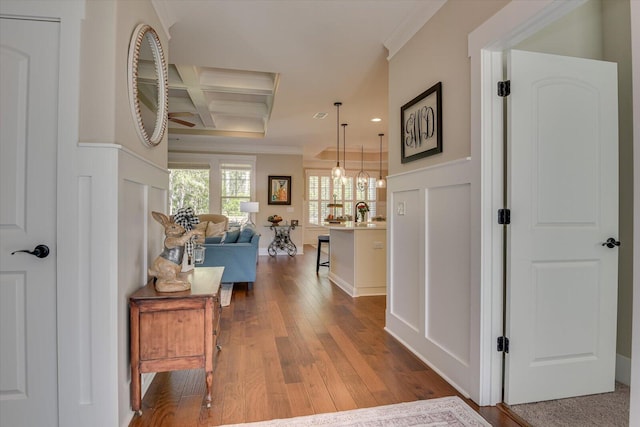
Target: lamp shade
x=251 y=207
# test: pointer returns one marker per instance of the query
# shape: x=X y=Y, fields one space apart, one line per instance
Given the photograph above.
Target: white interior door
x=563 y=195
x=28 y=144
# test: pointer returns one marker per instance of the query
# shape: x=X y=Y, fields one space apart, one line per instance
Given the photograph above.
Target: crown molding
x=164 y=15
x=411 y=25
x=192 y=145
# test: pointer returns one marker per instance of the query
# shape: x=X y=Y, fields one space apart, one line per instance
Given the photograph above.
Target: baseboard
x=438 y=371
x=265 y=251
x=146 y=380
x=623 y=369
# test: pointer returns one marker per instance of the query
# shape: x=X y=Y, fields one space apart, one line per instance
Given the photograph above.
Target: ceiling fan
x=172 y=117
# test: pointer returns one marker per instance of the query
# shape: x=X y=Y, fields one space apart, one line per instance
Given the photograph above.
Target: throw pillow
x=246 y=234
x=230 y=237
x=202 y=226
x=214 y=229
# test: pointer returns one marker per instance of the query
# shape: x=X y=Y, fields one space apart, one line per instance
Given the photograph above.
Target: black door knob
x=611 y=243
x=41 y=251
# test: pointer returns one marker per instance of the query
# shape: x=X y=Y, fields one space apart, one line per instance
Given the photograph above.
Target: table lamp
x=250 y=208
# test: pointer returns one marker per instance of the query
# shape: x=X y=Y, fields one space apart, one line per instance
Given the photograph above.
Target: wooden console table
x=176 y=330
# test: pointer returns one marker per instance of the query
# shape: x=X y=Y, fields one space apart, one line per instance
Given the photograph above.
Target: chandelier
x=362 y=179
x=381 y=182
x=337 y=172
x=344 y=152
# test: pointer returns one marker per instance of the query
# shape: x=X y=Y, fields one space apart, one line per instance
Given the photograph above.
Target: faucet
x=361 y=203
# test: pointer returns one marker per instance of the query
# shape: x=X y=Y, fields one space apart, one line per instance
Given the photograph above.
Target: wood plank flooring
x=297 y=345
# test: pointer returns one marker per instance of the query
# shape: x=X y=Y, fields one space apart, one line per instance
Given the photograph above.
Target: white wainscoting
x=117 y=190
x=429 y=293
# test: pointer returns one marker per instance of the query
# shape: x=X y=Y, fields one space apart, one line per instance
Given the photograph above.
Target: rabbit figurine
x=167 y=266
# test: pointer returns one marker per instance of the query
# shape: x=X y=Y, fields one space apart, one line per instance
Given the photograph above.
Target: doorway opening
x=492 y=64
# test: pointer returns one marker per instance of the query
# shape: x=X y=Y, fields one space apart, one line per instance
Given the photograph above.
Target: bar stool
x=322 y=238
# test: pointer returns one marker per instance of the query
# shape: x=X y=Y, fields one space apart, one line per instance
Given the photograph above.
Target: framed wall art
x=279 y=190
x=421 y=120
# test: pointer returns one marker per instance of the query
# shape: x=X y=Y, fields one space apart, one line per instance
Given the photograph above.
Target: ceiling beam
x=189 y=76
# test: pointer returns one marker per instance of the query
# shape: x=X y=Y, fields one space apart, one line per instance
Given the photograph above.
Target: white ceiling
x=313 y=52
x=219 y=102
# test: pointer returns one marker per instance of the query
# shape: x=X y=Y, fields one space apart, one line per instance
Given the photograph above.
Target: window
x=322 y=191
x=235 y=180
x=189 y=187
x=212 y=183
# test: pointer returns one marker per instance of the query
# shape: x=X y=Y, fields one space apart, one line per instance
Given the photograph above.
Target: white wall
x=634 y=416
x=430 y=274
x=105 y=115
x=405 y=81
x=123 y=180
x=142 y=188
x=578 y=34
x=116 y=190
x=438 y=52
x=430 y=290
x=92 y=281
x=287 y=165
x=617 y=48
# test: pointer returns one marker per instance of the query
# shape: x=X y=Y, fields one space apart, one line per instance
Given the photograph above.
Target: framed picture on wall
x=421 y=120
x=279 y=190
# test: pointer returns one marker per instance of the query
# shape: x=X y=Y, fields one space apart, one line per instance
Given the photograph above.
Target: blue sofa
x=237 y=252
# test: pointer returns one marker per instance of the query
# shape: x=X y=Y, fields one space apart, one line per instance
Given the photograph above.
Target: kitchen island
x=358 y=257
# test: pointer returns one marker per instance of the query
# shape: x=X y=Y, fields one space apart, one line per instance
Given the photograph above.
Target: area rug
x=225 y=294
x=445 y=411
x=607 y=409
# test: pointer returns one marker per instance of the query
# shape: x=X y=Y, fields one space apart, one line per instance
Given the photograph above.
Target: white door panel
x=28 y=143
x=563 y=195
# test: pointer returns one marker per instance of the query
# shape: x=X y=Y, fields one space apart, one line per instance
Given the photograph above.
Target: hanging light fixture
x=381 y=182
x=344 y=152
x=338 y=171
x=362 y=179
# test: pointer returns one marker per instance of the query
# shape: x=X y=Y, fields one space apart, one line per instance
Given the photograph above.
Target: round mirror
x=148 y=90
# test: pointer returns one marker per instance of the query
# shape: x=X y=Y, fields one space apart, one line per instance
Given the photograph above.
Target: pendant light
x=344 y=152
x=362 y=179
x=381 y=182
x=338 y=171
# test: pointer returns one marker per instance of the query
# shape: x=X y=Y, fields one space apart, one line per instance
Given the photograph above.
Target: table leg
x=208 y=346
x=209 y=379
x=136 y=390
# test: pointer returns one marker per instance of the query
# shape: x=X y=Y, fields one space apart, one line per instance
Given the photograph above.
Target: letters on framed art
x=421 y=129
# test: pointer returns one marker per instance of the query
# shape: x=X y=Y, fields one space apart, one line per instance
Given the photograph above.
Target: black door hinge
x=503 y=344
x=504 y=88
x=504 y=216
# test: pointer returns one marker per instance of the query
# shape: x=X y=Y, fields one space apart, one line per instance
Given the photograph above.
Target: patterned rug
x=445 y=411
x=225 y=294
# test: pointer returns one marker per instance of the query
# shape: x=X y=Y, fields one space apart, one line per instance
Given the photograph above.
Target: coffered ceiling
x=250 y=75
x=220 y=102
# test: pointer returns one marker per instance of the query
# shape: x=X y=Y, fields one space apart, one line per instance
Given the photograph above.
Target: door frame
x=512 y=24
x=70 y=16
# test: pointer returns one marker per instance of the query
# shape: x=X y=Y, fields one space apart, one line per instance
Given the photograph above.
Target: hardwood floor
x=297 y=345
